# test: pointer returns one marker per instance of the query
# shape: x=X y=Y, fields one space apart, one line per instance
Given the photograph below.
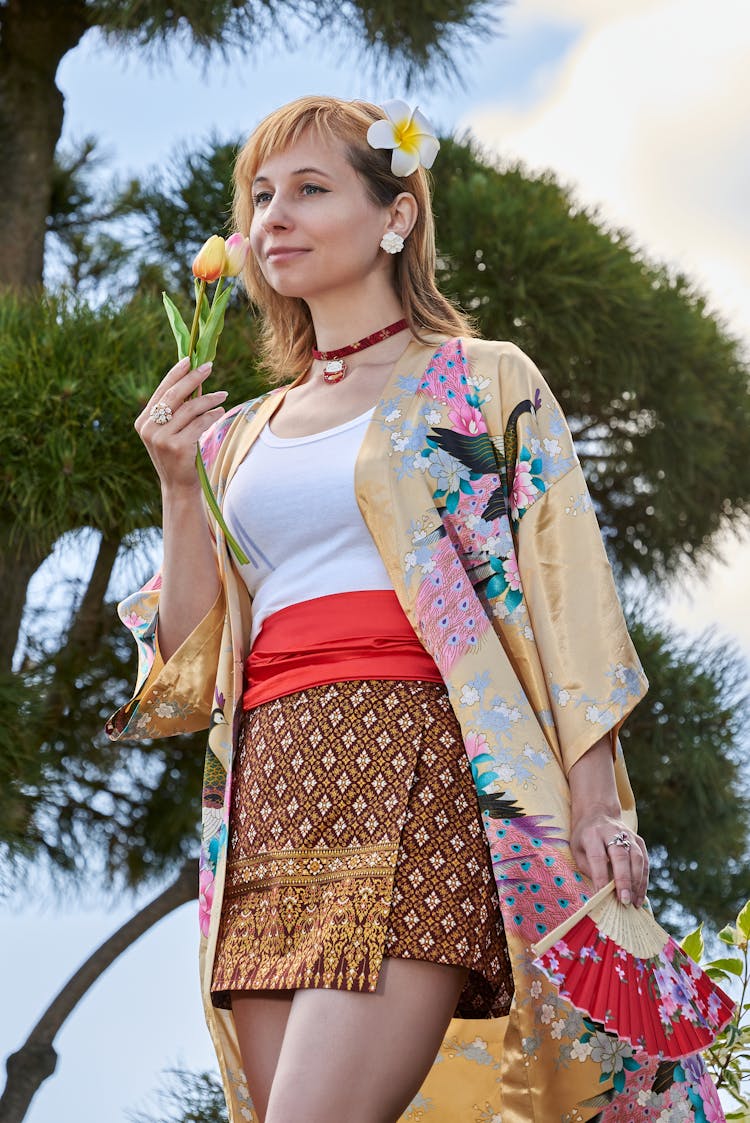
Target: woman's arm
x=190 y=578
x=595 y=820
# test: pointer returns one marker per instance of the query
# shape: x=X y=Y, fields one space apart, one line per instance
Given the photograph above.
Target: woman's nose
x=276 y=214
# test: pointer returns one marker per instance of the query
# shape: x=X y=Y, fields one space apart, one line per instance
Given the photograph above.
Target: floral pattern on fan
x=664 y=1003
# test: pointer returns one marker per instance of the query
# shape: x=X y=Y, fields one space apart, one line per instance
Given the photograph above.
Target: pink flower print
x=667 y=1008
x=523 y=490
x=210 y=445
x=205 y=899
x=476 y=744
x=510 y=571
x=711 y=1104
x=467 y=419
x=212 y=439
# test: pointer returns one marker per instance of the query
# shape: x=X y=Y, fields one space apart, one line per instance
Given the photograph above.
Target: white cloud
x=582 y=12
x=647 y=118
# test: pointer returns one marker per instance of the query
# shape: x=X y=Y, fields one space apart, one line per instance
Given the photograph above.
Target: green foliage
x=408 y=37
x=85 y=223
x=188 y=1097
x=653 y=385
x=74 y=380
x=728 y=1059
x=21 y=769
x=685 y=744
x=177 y=207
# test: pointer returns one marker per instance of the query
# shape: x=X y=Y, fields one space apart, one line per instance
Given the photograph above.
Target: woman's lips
x=284 y=254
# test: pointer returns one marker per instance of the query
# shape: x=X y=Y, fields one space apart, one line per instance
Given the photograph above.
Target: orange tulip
x=209 y=262
x=235 y=254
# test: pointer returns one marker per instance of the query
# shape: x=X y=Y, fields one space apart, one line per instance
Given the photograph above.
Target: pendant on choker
x=334 y=371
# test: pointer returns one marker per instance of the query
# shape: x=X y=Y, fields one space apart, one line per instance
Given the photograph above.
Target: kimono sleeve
x=593 y=676
x=172 y=697
x=176 y=696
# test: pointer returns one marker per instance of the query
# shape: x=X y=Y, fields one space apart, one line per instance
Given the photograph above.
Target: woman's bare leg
x=348 y=1057
x=261 y=1019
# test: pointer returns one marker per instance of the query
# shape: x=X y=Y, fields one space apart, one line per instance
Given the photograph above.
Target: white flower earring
x=392 y=242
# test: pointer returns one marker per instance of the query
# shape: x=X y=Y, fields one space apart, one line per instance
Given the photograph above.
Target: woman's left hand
x=604 y=848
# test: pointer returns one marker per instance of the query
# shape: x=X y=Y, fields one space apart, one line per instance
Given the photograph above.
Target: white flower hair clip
x=408 y=132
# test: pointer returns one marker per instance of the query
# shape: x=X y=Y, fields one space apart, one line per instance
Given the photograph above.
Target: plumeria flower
x=408 y=132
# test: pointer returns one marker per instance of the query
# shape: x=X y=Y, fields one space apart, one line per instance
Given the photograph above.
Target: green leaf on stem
x=731 y=965
x=216 y=512
x=178 y=326
x=729 y=935
x=692 y=945
x=743 y=921
x=208 y=340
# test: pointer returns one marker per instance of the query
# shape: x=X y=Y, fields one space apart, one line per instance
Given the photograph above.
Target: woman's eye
x=260 y=198
x=312 y=189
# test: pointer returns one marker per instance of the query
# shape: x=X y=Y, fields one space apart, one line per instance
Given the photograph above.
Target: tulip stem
x=217 y=290
x=196 y=320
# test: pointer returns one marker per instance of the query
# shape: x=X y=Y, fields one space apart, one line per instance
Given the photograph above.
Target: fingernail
x=625 y=897
x=183 y=364
x=204 y=368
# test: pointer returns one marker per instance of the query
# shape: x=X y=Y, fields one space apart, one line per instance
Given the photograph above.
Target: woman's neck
x=339 y=321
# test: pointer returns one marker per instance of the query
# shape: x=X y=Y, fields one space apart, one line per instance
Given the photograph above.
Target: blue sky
x=592 y=88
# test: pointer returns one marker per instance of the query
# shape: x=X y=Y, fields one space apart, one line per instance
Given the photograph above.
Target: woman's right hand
x=172 y=445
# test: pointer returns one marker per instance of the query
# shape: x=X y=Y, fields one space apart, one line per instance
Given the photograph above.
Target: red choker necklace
x=335 y=368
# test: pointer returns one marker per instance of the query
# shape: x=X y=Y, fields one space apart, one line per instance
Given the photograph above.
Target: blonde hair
x=287 y=334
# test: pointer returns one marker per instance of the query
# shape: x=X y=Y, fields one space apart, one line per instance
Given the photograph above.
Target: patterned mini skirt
x=355 y=834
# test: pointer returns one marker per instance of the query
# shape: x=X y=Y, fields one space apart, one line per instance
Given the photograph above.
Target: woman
x=403 y=693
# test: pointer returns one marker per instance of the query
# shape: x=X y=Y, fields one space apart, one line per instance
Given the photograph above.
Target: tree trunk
x=83 y=637
x=36 y=1059
x=16 y=570
x=86 y=630
x=34 y=36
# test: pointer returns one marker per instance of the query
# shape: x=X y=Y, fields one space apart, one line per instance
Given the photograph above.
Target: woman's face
x=315 y=229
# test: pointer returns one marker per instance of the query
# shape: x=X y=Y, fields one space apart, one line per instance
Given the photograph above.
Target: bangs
x=329 y=119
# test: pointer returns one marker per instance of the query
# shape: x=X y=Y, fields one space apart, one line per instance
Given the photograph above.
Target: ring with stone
x=620 y=839
x=161 y=413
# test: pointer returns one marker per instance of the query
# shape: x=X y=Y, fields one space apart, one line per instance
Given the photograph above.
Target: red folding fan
x=616 y=964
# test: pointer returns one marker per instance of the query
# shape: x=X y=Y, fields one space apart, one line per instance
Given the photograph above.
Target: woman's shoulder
x=497 y=374
x=503 y=361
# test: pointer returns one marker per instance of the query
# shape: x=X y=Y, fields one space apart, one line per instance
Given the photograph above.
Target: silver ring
x=161 y=413
x=620 y=839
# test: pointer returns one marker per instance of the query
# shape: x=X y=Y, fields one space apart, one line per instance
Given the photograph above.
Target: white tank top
x=292 y=508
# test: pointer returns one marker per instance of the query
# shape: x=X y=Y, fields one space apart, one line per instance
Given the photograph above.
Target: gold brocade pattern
x=354 y=834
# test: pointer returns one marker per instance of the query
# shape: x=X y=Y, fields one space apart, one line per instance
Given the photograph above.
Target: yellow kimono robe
x=469 y=483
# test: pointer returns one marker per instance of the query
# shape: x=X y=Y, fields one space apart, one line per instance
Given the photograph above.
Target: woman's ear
x=402 y=214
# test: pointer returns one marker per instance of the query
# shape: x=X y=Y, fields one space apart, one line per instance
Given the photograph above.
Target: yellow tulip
x=209 y=262
x=235 y=254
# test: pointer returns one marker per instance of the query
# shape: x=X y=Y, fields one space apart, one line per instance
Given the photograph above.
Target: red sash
x=345 y=636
